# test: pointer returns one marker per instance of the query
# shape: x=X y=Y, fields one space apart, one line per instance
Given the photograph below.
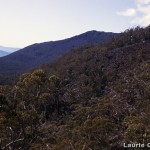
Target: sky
x=25 y=22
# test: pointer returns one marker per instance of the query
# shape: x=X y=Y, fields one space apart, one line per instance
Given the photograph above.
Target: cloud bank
x=129 y=12
x=140 y=14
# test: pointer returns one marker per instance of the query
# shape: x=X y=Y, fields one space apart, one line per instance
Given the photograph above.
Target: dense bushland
x=90 y=99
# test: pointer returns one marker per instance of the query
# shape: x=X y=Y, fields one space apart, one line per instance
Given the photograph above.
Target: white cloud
x=128 y=12
x=140 y=14
x=144 y=21
x=143 y=9
x=144 y=2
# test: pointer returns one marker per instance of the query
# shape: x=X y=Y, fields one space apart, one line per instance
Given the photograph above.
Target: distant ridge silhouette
x=42 y=53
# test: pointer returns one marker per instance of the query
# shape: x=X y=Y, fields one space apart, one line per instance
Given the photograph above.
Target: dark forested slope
x=92 y=98
x=42 y=53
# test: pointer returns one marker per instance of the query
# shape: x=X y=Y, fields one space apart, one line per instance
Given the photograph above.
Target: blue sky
x=24 y=22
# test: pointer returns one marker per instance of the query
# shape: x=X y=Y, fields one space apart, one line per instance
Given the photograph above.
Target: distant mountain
x=8 y=49
x=3 y=53
x=43 y=53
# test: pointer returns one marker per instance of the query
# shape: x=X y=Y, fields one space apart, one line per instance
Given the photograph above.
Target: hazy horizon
x=7 y=47
x=34 y=21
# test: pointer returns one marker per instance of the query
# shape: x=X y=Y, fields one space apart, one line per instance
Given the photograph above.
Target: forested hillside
x=42 y=53
x=93 y=98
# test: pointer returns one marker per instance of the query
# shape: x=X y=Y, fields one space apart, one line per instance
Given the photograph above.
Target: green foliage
x=92 y=98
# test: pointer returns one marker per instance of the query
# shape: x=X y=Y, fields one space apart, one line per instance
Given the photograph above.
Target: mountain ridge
x=41 y=53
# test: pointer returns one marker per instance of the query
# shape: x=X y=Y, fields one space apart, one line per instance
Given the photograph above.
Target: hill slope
x=92 y=98
x=38 y=54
